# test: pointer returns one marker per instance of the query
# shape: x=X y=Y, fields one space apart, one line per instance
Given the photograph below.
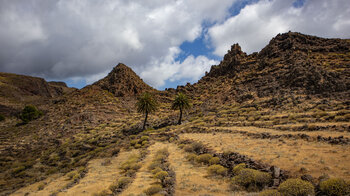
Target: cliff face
x=290 y=63
x=123 y=81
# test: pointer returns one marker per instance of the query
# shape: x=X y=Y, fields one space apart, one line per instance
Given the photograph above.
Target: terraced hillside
x=257 y=123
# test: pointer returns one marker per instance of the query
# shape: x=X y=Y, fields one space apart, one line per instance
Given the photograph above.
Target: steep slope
x=292 y=63
x=123 y=81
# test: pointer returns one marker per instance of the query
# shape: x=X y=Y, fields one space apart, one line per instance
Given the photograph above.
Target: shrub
x=270 y=192
x=238 y=168
x=120 y=184
x=204 y=158
x=161 y=176
x=41 y=186
x=144 y=138
x=334 y=187
x=296 y=187
x=30 y=113
x=156 y=170
x=138 y=146
x=217 y=170
x=134 y=142
x=153 y=189
x=251 y=179
x=191 y=157
x=214 y=160
x=195 y=147
x=154 y=165
x=2 y=117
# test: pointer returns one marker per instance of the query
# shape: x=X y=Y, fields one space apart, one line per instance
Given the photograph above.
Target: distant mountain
x=17 y=90
x=123 y=81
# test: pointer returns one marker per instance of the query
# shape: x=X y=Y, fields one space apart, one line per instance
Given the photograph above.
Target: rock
x=275 y=182
x=307 y=177
x=276 y=171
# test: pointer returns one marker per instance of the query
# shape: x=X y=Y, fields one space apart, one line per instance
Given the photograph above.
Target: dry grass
x=54 y=184
x=191 y=180
x=100 y=175
x=292 y=155
x=279 y=132
x=143 y=179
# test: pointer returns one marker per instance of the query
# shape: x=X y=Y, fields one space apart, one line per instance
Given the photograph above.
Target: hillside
x=283 y=112
x=19 y=90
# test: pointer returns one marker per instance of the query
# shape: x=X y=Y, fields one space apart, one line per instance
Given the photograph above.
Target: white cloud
x=190 y=70
x=258 y=23
x=83 y=39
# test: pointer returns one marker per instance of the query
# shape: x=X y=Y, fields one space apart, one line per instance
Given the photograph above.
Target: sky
x=167 y=43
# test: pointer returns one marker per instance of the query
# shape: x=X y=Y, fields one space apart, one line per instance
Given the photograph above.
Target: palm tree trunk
x=144 y=123
x=180 y=116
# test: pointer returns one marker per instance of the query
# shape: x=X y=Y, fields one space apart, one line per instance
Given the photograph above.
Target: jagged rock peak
x=123 y=81
x=284 y=44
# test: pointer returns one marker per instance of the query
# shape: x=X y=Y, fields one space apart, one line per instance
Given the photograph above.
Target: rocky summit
x=261 y=123
x=123 y=81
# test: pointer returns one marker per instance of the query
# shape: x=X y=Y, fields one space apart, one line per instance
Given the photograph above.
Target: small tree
x=29 y=113
x=146 y=104
x=181 y=102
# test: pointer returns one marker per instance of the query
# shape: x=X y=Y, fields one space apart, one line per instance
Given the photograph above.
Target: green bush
x=270 y=192
x=214 y=160
x=252 y=180
x=153 y=190
x=218 y=170
x=204 y=158
x=296 y=187
x=30 y=113
x=2 y=117
x=334 y=187
x=238 y=168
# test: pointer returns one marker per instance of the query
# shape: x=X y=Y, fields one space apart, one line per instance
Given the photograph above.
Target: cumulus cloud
x=73 y=39
x=256 y=24
x=167 y=68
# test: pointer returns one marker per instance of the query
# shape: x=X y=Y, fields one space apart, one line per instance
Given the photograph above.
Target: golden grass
x=100 y=176
x=279 y=132
x=54 y=184
x=191 y=180
x=143 y=179
x=292 y=155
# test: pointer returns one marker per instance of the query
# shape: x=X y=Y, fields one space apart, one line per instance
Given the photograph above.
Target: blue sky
x=167 y=43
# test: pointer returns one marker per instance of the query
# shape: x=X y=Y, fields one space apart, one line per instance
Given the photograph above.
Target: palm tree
x=146 y=104
x=181 y=102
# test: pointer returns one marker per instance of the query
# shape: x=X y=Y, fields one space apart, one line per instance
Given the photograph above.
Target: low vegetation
x=296 y=187
x=30 y=113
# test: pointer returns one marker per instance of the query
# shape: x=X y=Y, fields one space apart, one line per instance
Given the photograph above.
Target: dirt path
x=191 y=180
